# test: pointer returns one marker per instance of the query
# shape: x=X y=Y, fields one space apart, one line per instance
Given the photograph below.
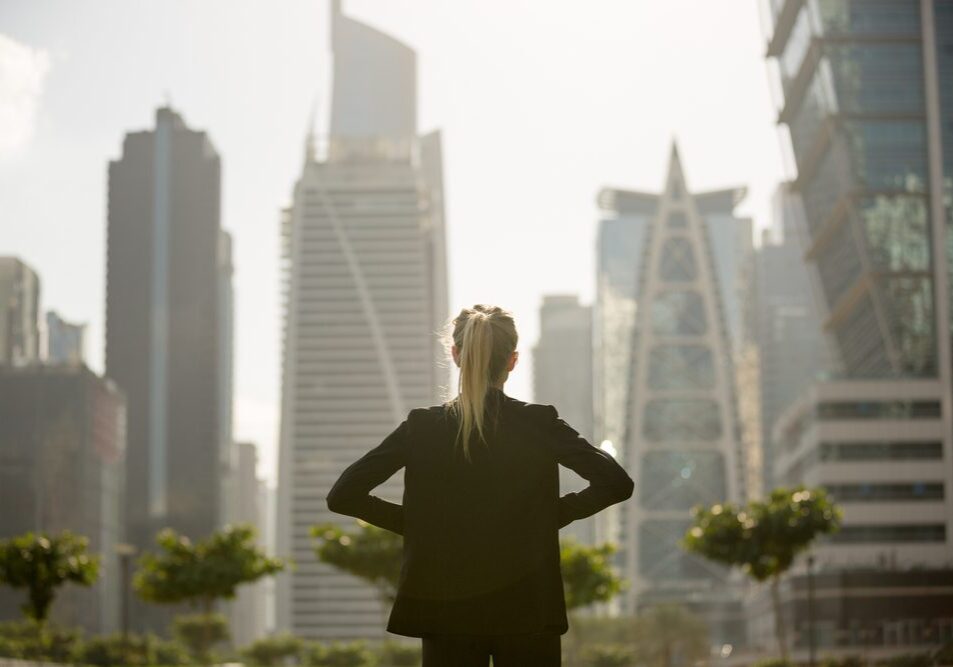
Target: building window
x=856 y=534
x=681 y=419
x=677 y=220
x=880 y=451
x=852 y=493
x=832 y=410
x=681 y=480
x=678 y=261
x=679 y=313
x=681 y=367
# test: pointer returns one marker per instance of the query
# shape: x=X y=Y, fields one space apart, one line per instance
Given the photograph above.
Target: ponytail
x=485 y=337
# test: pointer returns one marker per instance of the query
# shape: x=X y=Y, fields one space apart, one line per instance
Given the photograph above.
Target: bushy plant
x=908 y=660
x=272 y=651
x=32 y=640
x=353 y=654
x=133 y=651
x=608 y=655
x=774 y=662
x=843 y=661
x=400 y=654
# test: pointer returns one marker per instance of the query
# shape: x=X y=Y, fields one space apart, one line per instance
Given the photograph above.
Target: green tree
x=669 y=635
x=608 y=655
x=400 y=654
x=765 y=537
x=374 y=555
x=202 y=573
x=41 y=564
x=272 y=651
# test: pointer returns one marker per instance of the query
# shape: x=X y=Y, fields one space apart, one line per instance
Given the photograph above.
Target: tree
x=369 y=553
x=374 y=555
x=201 y=573
x=354 y=654
x=765 y=537
x=41 y=564
x=669 y=635
x=588 y=576
x=272 y=651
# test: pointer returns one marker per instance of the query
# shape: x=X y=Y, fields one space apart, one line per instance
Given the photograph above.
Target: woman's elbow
x=626 y=487
x=337 y=502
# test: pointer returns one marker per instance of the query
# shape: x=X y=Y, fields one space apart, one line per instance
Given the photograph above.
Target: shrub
x=909 y=660
x=774 y=662
x=399 y=654
x=271 y=651
x=843 y=661
x=354 y=654
x=608 y=655
x=30 y=640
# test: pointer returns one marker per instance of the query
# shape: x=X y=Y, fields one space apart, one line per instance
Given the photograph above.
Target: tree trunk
x=779 y=629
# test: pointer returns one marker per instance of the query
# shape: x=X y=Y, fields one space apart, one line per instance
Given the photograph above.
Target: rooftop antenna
x=310 y=144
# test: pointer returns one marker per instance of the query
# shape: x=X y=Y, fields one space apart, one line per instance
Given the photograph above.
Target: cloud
x=22 y=74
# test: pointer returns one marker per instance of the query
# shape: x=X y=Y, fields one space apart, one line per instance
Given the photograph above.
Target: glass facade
x=852 y=72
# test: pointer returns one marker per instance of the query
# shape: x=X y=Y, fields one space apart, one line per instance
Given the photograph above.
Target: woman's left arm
x=351 y=496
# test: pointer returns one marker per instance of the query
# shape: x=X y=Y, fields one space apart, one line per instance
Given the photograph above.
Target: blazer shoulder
x=538 y=412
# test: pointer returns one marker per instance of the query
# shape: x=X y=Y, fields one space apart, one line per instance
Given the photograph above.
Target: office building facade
x=19 y=312
x=168 y=343
x=65 y=342
x=62 y=468
x=366 y=290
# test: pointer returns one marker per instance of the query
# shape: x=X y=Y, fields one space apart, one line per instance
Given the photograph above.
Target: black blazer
x=481 y=542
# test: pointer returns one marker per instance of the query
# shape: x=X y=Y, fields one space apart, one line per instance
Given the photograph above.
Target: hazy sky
x=541 y=103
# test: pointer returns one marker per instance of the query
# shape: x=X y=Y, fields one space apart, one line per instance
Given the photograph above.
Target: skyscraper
x=683 y=444
x=62 y=430
x=366 y=291
x=65 y=342
x=562 y=376
x=869 y=109
x=793 y=350
x=248 y=607
x=168 y=343
x=19 y=312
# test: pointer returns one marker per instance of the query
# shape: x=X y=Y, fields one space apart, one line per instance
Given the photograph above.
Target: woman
x=481 y=511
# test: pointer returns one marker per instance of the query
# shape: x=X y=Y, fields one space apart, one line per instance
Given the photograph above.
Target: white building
x=19 y=312
x=366 y=292
x=683 y=437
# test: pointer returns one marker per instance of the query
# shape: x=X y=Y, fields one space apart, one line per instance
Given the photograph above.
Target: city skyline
x=541 y=184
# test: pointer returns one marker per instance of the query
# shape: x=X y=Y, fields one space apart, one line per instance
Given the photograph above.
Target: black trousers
x=536 y=650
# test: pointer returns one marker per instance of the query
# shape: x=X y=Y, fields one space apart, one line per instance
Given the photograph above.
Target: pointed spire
x=310 y=142
x=675 y=182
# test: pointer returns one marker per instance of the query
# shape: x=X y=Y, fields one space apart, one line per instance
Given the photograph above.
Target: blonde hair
x=485 y=337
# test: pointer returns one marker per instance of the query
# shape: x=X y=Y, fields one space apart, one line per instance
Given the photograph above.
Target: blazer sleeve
x=609 y=483
x=351 y=495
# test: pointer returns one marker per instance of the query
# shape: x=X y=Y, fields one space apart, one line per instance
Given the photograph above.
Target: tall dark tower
x=166 y=345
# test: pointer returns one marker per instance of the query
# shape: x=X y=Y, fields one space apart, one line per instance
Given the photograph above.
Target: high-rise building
x=562 y=376
x=168 y=339
x=366 y=290
x=65 y=342
x=248 y=608
x=62 y=430
x=19 y=312
x=866 y=99
x=793 y=350
x=683 y=437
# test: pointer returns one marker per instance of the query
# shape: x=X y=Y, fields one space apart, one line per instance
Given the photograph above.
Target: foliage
x=843 y=661
x=774 y=662
x=271 y=651
x=31 y=640
x=41 y=564
x=400 y=654
x=200 y=632
x=354 y=654
x=765 y=537
x=588 y=576
x=374 y=555
x=944 y=655
x=609 y=655
x=909 y=660
x=669 y=635
x=203 y=572
x=135 y=651
x=369 y=553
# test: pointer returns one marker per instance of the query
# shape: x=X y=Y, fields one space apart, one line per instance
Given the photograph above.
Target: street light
x=810 y=610
x=125 y=552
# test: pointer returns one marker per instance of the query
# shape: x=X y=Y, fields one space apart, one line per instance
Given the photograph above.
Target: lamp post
x=810 y=611
x=125 y=552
